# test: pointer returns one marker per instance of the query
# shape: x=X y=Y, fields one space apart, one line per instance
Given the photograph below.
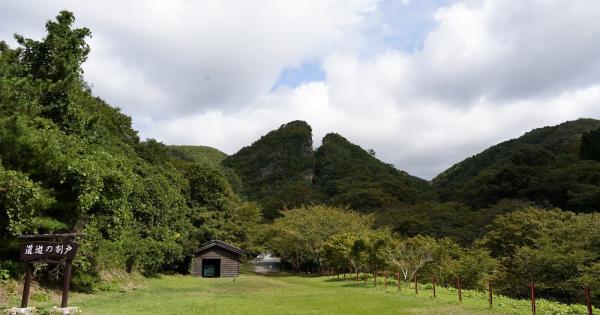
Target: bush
x=86 y=282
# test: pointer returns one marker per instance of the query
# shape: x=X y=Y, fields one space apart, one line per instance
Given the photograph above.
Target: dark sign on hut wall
x=48 y=248
x=41 y=251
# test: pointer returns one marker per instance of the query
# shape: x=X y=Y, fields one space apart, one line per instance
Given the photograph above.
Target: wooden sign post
x=50 y=249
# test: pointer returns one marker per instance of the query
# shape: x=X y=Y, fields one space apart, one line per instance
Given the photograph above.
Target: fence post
x=398 y=284
x=459 y=291
x=491 y=293
x=588 y=299
x=385 y=283
x=433 y=281
x=532 y=294
x=416 y=285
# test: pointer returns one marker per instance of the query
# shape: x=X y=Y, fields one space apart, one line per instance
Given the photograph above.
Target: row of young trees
x=322 y=237
x=558 y=250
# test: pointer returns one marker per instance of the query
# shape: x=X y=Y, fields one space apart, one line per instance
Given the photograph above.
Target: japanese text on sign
x=38 y=250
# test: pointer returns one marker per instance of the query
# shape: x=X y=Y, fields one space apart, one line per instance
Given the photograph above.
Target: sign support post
x=66 y=283
x=50 y=249
x=27 y=285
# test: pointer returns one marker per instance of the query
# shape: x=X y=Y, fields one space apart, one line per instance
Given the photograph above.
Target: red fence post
x=416 y=285
x=398 y=284
x=433 y=281
x=532 y=294
x=491 y=293
x=588 y=299
x=459 y=291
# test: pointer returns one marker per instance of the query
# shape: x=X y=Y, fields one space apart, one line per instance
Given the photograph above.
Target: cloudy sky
x=425 y=83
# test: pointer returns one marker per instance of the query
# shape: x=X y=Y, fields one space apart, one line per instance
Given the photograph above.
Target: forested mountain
x=348 y=175
x=277 y=170
x=553 y=166
x=548 y=167
x=281 y=169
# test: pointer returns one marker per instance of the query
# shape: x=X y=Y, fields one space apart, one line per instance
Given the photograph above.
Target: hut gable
x=216 y=259
x=220 y=244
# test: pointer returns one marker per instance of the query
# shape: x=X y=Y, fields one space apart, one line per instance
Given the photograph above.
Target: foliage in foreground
x=70 y=162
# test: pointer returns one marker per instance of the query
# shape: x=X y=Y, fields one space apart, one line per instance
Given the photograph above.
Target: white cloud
x=202 y=73
x=199 y=55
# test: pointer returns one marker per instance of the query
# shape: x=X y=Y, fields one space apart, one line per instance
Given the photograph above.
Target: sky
x=424 y=83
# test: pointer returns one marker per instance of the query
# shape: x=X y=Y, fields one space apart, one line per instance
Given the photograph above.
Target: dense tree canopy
x=553 y=166
x=70 y=162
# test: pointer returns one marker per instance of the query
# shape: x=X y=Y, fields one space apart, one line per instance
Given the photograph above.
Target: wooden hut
x=216 y=259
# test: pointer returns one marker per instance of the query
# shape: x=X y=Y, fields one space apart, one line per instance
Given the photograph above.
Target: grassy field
x=255 y=294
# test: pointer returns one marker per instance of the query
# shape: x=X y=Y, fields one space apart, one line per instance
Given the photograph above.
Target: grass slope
x=254 y=294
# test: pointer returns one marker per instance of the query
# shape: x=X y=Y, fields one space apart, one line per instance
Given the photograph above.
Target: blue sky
x=399 y=26
x=423 y=83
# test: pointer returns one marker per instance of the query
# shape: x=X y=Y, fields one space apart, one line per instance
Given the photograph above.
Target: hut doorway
x=211 y=267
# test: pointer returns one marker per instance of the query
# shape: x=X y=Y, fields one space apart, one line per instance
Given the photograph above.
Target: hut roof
x=220 y=244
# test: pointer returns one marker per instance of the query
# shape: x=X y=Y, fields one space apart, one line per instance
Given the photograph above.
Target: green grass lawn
x=256 y=294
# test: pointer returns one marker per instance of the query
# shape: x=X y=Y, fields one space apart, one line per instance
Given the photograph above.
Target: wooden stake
x=459 y=291
x=398 y=284
x=416 y=285
x=588 y=299
x=27 y=285
x=433 y=281
x=532 y=294
x=66 y=284
x=491 y=293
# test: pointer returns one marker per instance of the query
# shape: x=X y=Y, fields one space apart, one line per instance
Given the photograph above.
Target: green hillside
x=277 y=170
x=550 y=165
x=281 y=170
x=196 y=154
x=350 y=176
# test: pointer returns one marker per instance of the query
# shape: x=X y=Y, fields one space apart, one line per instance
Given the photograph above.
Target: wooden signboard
x=52 y=249
x=41 y=251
